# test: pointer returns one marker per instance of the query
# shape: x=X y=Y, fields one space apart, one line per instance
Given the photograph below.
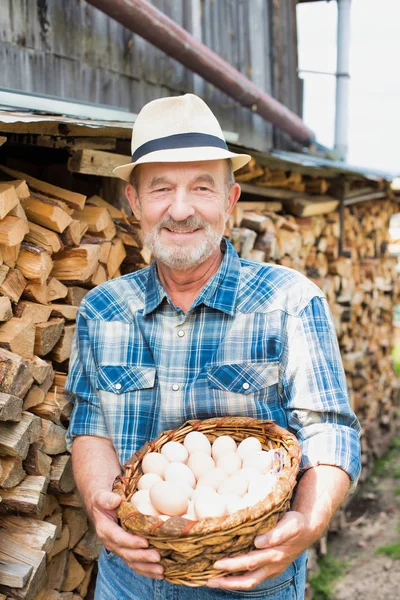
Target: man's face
x=183 y=209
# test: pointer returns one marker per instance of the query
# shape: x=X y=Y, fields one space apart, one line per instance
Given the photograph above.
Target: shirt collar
x=219 y=293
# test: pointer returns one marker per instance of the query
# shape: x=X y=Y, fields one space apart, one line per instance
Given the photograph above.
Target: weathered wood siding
x=69 y=49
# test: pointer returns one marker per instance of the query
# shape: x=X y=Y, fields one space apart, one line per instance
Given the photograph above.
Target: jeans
x=116 y=581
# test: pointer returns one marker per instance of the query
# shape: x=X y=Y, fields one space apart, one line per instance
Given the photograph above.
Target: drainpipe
x=143 y=18
x=342 y=78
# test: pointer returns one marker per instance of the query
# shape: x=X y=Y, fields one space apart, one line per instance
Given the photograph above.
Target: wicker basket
x=189 y=549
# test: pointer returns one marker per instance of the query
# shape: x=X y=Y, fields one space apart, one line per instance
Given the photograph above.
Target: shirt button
x=118 y=386
x=246 y=386
x=175 y=387
x=181 y=333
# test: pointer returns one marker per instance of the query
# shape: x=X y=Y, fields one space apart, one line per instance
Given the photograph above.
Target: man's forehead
x=209 y=168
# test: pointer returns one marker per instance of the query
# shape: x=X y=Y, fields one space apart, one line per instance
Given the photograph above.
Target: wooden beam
x=96 y=162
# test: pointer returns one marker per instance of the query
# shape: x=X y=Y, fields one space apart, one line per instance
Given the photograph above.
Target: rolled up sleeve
x=315 y=393
x=87 y=417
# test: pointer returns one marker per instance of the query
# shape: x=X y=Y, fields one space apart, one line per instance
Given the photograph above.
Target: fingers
x=241 y=582
x=288 y=528
x=104 y=500
x=147 y=570
x=249 y=562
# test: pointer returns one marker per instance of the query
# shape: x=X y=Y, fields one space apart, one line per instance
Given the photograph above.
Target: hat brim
x=198 y=154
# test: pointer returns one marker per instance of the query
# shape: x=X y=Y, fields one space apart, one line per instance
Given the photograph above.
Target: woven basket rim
x=180 y=527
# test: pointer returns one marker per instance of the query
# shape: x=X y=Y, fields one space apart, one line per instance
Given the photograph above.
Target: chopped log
x=8 y=198
x=76 y=264
x=317 y=186
x=37 y=462
x=47 y=335
x=19 y=212
x=32 y=312
x=62 y=350
x=105 y=252
x=250 y=171
x=44 y=238
x=10 y=407
x=40 y=369
x=10 y=254
x=116 y=256
x=4 y=269
x=46 y=213
x=99 y=276
x=77 y=522
x=75 y=295
x=72 y=499
x=37 y=534
x=5 y=308
x=65 y=311
x=259 y=223
x=15 y=377
x=28 y=496
x=60 y=544
x=3 y=140
x=84 y=585
x=310 y=206
x=71 y=198
x=13 y=285
x=56 y=519
x=36 y=292
x=89 y=546
x=61 y=478
x=95 y=162
x=73 y=233
x=12 y=472
x=20 y=187
x=18 y=336
x=115 y=212
x=12 y=550
x=56 y=290
x=109 y=232
x=12 y=231
x=57 y=570
x=75 y=574
x=15 y=438
x=14 y=574
x=96 y=218
x=52 y=438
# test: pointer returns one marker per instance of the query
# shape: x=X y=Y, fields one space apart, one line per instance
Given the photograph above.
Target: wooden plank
x=14 y=574
x=28 y=496
x=71 y=198
x=96 y=162
x=38 y=534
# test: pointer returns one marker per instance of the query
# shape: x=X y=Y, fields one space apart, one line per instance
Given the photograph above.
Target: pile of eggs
x=197 y=480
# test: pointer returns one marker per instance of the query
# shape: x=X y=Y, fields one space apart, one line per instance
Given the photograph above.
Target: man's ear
x=233 y=197
x=133 y=200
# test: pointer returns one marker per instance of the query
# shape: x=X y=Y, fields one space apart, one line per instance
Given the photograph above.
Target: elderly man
x=202 y=333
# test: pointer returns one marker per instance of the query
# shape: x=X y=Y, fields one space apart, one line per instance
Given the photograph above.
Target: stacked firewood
x=55 y=245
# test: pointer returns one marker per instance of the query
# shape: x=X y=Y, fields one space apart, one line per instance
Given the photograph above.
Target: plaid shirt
x=258 y=341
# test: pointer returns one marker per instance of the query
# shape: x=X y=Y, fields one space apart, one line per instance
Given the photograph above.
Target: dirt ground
x=373 y=518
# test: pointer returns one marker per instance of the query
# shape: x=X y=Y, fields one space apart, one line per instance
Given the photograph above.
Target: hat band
x=179 y=140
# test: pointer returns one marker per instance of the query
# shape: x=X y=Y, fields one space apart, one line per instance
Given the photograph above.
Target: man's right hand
x=133 y=549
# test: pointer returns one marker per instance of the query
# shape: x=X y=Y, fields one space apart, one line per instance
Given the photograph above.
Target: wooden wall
x=67 y=48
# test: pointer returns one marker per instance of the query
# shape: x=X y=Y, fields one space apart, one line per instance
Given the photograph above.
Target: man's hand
x=131 y=548
x=279 y=548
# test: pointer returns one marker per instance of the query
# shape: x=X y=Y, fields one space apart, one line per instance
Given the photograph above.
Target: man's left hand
x=279 y=548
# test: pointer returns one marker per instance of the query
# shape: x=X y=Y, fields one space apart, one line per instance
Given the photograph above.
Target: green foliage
x=331 y=569
x=397 y=492
x=396 y=359
x=392 y=550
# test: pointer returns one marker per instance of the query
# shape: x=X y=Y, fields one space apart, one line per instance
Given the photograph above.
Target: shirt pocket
x=120 y=379
x=243 y=378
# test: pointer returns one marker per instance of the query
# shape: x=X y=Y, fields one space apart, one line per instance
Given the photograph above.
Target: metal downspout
x=143 y=18
x=342 y=78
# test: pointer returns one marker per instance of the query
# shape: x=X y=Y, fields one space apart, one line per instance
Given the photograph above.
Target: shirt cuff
x=86 y=419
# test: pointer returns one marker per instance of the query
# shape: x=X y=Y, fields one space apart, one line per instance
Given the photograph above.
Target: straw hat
x=177 y=129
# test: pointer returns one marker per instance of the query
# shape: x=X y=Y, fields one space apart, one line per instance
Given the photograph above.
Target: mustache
x=192 y=222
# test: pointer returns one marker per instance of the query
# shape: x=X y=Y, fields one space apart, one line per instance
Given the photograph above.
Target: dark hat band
x=179 y=140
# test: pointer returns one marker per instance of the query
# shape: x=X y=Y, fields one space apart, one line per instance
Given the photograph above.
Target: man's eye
x=203 y=188
x=161 y=189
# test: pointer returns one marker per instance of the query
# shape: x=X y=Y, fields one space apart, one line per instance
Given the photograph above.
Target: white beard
x=180 y=257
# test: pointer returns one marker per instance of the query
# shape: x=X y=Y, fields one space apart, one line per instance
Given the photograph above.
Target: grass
x=331 y=569
x=396 y=358
x=392 y=550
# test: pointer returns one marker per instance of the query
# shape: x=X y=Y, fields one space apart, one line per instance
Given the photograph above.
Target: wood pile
x=55 y=245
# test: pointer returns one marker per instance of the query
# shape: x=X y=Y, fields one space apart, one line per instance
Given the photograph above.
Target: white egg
x=263 y=485
x=250 y=499
x=233 y=503
x=250 y=473
x=223 y=445
x=178 y=472
x=235 y=484
x=175 y=452
x=169 y=499
x=209 y=506
x=230 y=463
x=212 y=478
x=154 y=463
x=141 y=501
x=200 y=463
x=148 y=480
x=195 y=441
x=202 y=490
x=185 y=486
x=263 y=461
x=248 y=447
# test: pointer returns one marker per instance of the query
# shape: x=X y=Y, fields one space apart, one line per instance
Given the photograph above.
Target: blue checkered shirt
x=258 y=341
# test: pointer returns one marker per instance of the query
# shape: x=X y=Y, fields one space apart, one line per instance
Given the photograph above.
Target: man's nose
x=181 y=207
